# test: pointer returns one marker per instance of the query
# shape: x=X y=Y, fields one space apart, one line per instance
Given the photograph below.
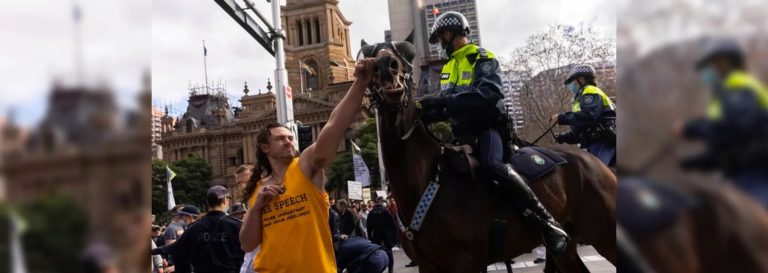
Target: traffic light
x=305 y=137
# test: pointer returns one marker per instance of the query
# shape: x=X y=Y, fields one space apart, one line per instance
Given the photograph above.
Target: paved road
x=523 y=263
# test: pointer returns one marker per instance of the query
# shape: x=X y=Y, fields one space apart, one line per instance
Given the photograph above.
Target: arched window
x=317 y=30
x=301 y=33
x=310 y=75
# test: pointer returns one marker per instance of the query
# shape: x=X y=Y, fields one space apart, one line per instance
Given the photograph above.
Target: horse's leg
x=509 y=266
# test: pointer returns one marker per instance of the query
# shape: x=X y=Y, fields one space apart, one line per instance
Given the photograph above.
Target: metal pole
x=382 y=173
x=301 y=74
x=284 y=94
x=205 y=66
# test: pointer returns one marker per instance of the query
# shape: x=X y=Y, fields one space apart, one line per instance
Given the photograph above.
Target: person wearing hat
x=182 y=217
x=237 y=211
x=471 y=98
x=211 y=244
x=593 y=116
x=735 y=128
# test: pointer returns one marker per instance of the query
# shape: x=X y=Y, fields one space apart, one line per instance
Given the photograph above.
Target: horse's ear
x=410 y=37
x=363 y=43
x=406 y=50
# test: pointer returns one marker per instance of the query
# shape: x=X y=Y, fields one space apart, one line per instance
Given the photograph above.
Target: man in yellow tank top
x=288 y=207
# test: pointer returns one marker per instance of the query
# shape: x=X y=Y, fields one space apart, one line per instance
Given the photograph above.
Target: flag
x=435 y=11
x=18 y=226
x=205 y=51
x=362 y=174
x=170 y=174
x=76 y=13
x=308 y=69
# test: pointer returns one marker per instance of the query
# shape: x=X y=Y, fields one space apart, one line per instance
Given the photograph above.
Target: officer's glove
x=433 y=102
x=433 y=116
x=558 y=137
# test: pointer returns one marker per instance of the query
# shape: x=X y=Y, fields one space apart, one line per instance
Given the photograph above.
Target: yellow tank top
x=295 y=235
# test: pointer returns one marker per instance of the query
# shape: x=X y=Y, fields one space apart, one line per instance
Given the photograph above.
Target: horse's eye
x=393 y=65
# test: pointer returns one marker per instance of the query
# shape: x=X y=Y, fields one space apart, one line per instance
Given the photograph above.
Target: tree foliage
x=193 y=177
x=545 y=60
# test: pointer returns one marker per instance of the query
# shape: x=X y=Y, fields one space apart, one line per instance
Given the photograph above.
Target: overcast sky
x=123 y=38
x=38 y=46
x=179 y=26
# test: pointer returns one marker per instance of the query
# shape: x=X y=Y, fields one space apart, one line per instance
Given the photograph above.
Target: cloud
x=38 y=47
x=235 y=57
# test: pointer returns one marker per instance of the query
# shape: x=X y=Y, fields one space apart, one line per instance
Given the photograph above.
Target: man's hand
x=557 y=138
x=433 y=102
x=364 y=70
x=553 y=119
x=266 y=193
x=678 y=127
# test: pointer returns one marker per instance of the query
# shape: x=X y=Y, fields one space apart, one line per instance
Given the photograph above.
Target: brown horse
x=725 y=231
x=454 y=236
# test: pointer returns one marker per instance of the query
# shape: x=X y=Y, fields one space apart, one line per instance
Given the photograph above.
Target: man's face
x=280 y=144
x=242 y=178
x=446 y=38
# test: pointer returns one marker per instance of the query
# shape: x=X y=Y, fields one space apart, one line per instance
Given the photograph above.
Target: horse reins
x=545 y=133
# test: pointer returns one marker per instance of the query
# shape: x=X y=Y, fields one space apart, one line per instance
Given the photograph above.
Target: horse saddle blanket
x=535 y=162
x=648 y=206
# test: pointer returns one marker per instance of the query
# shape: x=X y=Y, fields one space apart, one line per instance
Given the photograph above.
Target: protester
x=381 y=229
x=286 y=197
x=349 y=224
x=237 y=211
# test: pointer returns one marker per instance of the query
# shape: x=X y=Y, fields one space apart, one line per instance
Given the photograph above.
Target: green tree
x=55 y=235
x=342 y=170
x=193 y=176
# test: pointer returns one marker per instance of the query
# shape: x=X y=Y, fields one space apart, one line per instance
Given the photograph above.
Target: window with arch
x=301 y=32
x=317 y=30
x=310 y=75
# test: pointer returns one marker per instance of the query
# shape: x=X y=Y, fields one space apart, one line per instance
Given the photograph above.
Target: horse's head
x=392 y=80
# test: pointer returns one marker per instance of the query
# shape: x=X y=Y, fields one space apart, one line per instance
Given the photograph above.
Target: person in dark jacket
x=355 y=254
x=382 y=230
x=471 y=99
x=358 y=255
x=349 y=224
x=212 y=243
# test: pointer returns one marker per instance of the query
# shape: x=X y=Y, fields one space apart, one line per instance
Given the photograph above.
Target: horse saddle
x=531 y=162
x=648 y=206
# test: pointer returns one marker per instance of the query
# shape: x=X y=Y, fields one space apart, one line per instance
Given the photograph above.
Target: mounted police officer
x=593 y=119
x=735 y=128
x=212 y=243
x=471 y=98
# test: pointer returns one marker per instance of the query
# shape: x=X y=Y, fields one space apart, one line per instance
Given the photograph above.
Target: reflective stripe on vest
x=459 y=72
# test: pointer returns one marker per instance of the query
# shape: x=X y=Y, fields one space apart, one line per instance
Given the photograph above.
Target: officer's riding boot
x=555 y=238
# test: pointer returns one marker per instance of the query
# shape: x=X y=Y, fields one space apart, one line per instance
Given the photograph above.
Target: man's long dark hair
x=262 y=168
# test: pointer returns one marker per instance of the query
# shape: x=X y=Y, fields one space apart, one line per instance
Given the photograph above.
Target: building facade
x=433 y=9
x=318 y=61
x=157 y=116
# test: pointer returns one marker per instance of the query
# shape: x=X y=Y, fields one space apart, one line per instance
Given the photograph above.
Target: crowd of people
x=363 y=234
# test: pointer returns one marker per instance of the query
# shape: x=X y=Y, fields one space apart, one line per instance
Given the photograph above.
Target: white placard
x=355 y=190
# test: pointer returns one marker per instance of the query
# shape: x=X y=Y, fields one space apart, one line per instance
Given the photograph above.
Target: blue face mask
x=573 y=87
x=708 y=76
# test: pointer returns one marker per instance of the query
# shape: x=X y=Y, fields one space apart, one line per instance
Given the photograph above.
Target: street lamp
x=382 y=174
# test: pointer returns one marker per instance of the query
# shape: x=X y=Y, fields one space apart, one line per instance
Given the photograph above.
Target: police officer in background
x=212 y=243
x=735 y=128
x=593 y=119
x=471 y=98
